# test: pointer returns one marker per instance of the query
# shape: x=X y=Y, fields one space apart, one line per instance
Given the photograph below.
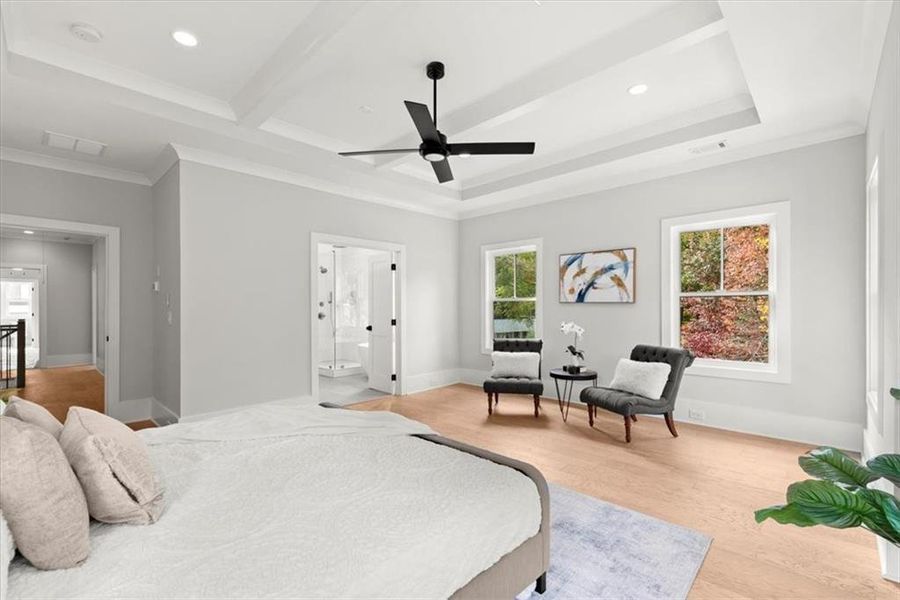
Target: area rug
x=600 y=550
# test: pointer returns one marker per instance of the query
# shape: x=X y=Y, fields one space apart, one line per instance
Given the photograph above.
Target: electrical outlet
x=695 y=414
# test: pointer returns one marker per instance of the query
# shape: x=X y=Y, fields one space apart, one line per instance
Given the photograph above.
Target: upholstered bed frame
x=523 y=565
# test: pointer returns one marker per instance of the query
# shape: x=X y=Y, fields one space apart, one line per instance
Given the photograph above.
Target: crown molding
x=71 y=166
x=239 y=165
x=700 y=163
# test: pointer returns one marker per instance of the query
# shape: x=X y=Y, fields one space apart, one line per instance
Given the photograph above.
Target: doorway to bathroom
x=357 y=326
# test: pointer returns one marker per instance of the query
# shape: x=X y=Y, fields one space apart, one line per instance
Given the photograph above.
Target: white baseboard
x=67 y=360
x=430 y=381
x=161 y=414
x=783 y=426
x=129 y=411
x=101 y=365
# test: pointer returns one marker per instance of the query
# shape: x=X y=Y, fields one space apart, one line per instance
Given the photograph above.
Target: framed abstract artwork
x=597 y=276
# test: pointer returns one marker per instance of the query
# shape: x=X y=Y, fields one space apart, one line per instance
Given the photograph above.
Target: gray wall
x=245 y=245
x=39 y=192
x=824 y=185
x=167 y=302
x=68 y=302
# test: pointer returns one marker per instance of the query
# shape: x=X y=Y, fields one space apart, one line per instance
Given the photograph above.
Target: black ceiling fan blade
x=421 y=117
x=394 y=151
x=492 y=148
x=442 y=170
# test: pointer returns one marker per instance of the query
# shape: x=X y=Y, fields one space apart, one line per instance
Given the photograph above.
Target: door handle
x=368 y=328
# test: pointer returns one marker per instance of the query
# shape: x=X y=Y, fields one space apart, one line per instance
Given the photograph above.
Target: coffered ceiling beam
x=715 y=119
x=281 y=77
x=668 y=31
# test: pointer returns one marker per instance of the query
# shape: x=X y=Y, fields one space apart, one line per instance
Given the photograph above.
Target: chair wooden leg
x=670 y=423
x=496 y=398
x=490 y=405
x=591 y=415
x=627 y=429
x=537 y=404
x=634 y=418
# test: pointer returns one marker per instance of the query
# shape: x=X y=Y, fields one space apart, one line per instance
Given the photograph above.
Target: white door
x=382 y=313
x=882 y=432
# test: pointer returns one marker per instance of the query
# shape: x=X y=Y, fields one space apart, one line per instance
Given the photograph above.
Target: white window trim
x=778 y=216
x=488 y=253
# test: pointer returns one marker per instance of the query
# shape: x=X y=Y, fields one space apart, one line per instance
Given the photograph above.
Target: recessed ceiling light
x=28 y=232
x=85 y=32
x=465 y=154
x=637 y=90
x=366 y=109
x=185 y=38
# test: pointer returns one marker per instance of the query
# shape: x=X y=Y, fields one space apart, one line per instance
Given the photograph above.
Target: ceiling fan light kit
x=434 y=147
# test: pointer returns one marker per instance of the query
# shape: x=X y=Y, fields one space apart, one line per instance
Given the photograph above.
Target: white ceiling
x=277 y=88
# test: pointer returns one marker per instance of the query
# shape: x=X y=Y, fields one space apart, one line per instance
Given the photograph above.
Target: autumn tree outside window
x=725 y=293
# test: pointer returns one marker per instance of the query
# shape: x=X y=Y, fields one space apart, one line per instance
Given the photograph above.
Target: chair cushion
x=622 y=402
x=34 y=414
x=513 y=385
x=515 y=364
x=641 y=378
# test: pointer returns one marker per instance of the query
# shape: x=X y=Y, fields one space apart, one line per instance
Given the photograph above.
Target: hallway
x=59 y=388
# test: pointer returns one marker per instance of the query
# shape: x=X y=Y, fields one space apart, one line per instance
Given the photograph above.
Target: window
x=726 y=294
x=511 y=291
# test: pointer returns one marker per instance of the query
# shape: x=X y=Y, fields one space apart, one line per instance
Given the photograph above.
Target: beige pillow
x=33 y=413
x=41 y=498
x=113 y=466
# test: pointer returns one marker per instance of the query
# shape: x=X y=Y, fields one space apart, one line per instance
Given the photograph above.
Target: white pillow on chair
x=647 y=379
x=515 y=364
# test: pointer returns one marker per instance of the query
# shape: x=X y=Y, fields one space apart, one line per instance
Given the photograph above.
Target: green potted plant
x=840 y=497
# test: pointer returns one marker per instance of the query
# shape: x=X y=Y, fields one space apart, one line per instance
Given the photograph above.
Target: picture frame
x=598 y=276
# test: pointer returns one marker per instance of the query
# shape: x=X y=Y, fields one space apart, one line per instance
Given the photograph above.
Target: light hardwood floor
x=59 y=388
x=707 y=479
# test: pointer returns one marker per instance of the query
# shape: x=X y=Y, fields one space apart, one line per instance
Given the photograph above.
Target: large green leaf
x=831 y=464
x=786 y=514
x=887 y=466
x=886 y=522
x=829 y=504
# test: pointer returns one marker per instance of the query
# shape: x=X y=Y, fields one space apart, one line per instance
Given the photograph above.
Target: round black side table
x=569 y=379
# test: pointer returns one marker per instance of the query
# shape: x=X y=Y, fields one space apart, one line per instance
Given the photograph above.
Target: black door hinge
x=393 y=321
x=393 y=266
x=394 y=377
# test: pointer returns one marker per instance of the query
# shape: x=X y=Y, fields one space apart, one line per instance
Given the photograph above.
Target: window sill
x=702 y=368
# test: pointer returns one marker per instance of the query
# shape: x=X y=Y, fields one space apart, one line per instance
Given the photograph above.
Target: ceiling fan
x=434 y=147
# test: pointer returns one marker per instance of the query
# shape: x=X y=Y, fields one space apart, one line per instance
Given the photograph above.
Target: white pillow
x=7 y=552
x=647 y=379
x=515 y=364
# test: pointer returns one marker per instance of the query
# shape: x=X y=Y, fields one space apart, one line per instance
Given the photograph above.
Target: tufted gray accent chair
x=515 y=385
x=630 y=405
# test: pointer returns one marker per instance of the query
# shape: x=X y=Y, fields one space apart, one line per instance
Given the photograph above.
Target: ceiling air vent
x=707 y=148
x=67 y=142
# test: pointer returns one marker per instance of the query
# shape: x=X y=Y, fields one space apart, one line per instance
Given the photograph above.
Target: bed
x=283 y=501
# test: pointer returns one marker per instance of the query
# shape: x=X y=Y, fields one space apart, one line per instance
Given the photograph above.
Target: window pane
x=727 y=328
x=700 y=260
x=503 y=276
x=526 y=275
x=747 y=258
x=513 y=319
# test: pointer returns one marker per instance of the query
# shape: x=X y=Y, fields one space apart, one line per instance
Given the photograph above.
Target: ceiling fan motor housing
x=434 y=151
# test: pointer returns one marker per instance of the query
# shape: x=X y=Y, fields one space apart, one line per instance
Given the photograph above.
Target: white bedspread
x=304 y=502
